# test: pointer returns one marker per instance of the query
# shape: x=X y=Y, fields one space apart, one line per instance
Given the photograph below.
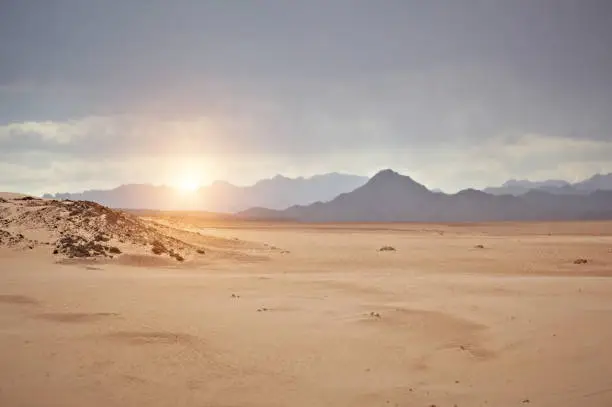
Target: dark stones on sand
x=387 y=249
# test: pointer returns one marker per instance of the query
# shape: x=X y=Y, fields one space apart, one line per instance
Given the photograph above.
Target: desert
x=297 y=314
x=306 y=203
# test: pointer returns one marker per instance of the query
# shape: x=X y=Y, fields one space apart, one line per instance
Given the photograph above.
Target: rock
x=158 y=247
x=177 y=256
x=387 y=249
x=101 y=238
x=114 y=250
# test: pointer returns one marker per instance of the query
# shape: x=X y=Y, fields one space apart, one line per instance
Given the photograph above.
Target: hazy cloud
x=457 y=93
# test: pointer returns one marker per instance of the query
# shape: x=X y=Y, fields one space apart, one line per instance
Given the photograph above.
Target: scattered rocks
x=177 y=256
x=78 y=246
x=581 y=261
x=262 y=309
x=11 y=239
x=374 y=314
x=479 y=246
x=387 y=249
x=101 y=238
x=159 y=248
x=200 y=251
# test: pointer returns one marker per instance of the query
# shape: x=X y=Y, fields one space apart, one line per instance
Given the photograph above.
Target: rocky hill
x=81 y=229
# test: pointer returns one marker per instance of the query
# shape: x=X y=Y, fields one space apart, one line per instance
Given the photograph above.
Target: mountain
x=275 y=193
x=596 y=182
x=392 y=197
x=558 y=187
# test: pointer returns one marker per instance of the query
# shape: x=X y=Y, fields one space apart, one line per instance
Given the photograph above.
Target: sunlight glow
x=188 y=184
x=187 y=174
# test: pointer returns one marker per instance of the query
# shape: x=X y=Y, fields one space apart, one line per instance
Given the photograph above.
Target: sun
x=188 y=184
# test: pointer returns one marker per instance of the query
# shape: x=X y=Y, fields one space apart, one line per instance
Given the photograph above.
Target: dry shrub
x=387 y=249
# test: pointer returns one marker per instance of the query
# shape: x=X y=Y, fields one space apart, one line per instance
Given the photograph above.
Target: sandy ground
x=328 y=320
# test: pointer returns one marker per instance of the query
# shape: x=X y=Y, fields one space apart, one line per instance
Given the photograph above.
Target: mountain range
x=388 y=196
x=275 y=193
x=560 y=187
x=392 y=197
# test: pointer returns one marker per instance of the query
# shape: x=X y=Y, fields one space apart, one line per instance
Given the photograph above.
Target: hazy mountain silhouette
x=276 y=193
x=560 y=187
x=391 y=197
x=596 y=182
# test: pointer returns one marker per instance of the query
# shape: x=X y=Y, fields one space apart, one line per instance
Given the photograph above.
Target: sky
x=455 y=93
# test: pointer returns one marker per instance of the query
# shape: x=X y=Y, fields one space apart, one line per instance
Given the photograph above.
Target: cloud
x=102 y=152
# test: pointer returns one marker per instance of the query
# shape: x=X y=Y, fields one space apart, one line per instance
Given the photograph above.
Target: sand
x=324 y=319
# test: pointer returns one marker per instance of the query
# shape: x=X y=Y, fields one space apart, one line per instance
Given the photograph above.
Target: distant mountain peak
x=388 y=176
x=471 y=192
x=387 y=173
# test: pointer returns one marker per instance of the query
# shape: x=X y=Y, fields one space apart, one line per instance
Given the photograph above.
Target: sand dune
x=331 y=322
x=81 y=230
